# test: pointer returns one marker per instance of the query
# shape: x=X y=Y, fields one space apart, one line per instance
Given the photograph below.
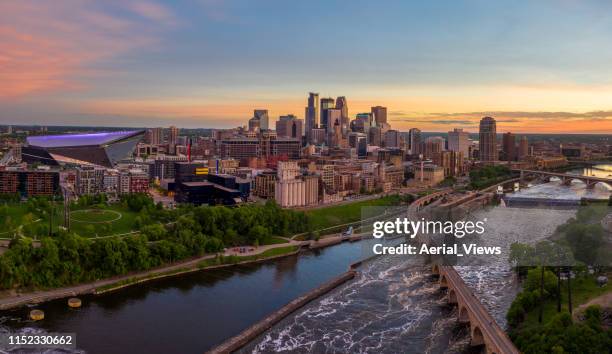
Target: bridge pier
x=484 y=331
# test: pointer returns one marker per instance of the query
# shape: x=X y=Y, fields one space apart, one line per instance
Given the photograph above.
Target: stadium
x=102 y=149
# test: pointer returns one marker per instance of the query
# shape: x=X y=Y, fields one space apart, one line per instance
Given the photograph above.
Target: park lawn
x=273 y=240
x=341 y=214
x=16 y=212
x=121 y=226
x=583 y=290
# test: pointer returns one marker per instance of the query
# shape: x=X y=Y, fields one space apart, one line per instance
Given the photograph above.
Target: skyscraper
x=509 y=146
x=262 y=116
x=343 y=107
x=312 y=113
x=329 y=118
x=458 y=141
x=414 y=141
x=488 y=140
x=326 y=103
x=380 y=115
x=523 y=147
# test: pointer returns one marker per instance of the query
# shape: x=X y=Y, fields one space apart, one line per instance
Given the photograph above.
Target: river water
x=393 y=305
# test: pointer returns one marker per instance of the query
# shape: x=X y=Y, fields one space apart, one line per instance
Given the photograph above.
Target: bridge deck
x=490 y=329
x=566 y=175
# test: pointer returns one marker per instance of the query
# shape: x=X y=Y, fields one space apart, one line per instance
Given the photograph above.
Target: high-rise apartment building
x=157 y=136
x=380 y=115
x=509 y=146
x=488 y=140
x=459 y=141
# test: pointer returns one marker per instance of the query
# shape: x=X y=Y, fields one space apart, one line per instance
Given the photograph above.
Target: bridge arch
x=477 y=338
x=601 y=185
x=443 y=282
x=435 y=269
x=464 y=316
x=452 y=296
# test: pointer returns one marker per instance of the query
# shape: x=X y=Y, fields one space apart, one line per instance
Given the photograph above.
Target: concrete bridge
x=565 y=178
x=484 y=331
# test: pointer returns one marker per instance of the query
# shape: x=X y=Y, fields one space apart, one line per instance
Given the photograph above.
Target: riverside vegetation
x=39 y=259
x=560 y=274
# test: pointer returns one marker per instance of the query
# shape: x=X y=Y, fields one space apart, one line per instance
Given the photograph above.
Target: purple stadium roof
x=51 y=141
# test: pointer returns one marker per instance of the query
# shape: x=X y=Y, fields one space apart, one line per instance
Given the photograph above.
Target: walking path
x=11 y=300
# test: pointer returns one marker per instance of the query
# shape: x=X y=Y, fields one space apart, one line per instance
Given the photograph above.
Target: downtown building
x=29 y=183
x=487 y=142
x=459 y=141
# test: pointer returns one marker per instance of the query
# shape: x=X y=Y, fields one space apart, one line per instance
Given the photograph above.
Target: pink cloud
x=47 y=45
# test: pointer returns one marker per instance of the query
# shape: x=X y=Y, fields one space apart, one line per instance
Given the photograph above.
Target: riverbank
x=235 y=343
x=208 y=262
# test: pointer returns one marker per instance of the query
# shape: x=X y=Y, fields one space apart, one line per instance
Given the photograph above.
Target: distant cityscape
x=327 y=157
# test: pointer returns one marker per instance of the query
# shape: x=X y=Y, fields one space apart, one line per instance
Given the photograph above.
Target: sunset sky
x=536 y=66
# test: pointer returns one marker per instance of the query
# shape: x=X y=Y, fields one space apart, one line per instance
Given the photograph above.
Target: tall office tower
x=380 y=115
x=9 y=130
x=157 y=136
x=488 y=140
x=392 y=139
x=509 y=145
x=312 y=114
x=329 y=118
x=362 y=122
x=289 y=126
x=414 y=141
x=343 y=107
x=523 y=147
x=326 y=103
x=459 y=141
x=336 y=134
x=262 y=116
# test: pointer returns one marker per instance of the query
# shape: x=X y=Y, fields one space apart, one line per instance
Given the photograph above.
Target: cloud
x=430 y=121
x=48 y=45
x=153 y=11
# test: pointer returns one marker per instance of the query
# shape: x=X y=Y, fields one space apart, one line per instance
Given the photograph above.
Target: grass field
x=583 y=290
x=90 y=224
x=274 y=241
x=87 y=222
x=341 y=214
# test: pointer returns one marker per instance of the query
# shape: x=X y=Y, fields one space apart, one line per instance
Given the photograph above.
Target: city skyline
x=208 y=64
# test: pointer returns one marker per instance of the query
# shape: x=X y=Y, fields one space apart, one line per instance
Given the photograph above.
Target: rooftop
x=89 y=139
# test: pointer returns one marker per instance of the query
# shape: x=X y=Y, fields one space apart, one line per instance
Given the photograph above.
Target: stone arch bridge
x=484 y=331
x=566 y=179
